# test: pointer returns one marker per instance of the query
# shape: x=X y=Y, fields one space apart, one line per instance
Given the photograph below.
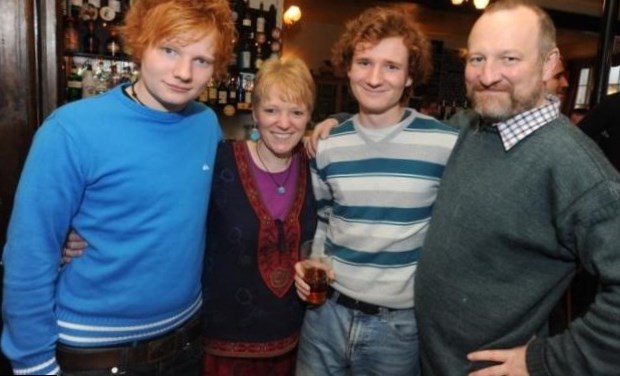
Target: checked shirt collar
x=522 y=125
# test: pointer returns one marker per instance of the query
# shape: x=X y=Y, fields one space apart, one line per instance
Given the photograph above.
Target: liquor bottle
x=74 y=85
x=247 y=92
x=70 y=35
x=234 y=10
x=204 y=96
x=260 y=19
x=245 y=54
x=222 y=93
x=276 y=34
x=212 y=93
x=76 y=6
x=240 y=91
x=113 y=44
x=241 y=7
x=272 y=15
x=115 y=77
x=275 y=48
x=233 y=87
x=90 y=43
x=88 y=82
x=101 y=78
x=246 y=22
x=258 y=56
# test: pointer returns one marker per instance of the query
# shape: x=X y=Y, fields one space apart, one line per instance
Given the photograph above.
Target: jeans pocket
x=403 y=324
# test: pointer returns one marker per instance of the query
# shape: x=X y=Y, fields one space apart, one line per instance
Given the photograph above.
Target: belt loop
x=333 y=294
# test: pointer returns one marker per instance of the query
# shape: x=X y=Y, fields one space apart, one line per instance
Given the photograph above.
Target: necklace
x=135 y=95
x=279 y=186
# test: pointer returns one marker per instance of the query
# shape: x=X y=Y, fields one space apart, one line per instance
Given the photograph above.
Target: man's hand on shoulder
x=320 y=132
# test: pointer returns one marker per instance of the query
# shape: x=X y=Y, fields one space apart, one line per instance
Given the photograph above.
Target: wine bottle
x=222 y=93
x=113 y=44
x=245 y=54
x=88 y=82
x=232 y=89
x=76 y=6
x=212 y=93
x=246 y=21
x=260 y=19
x=234 y=10
x=74 y=85
x=70 y=35
x=90 y=43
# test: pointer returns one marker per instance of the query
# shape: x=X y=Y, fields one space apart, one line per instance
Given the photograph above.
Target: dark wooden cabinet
x=28 y=86
x=333 y=96
x=28 y=91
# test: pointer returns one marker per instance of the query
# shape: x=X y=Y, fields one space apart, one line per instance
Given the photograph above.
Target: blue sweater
x=374 y=204
x=135 y=183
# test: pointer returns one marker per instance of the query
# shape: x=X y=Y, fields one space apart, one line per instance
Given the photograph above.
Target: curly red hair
x=378 y=23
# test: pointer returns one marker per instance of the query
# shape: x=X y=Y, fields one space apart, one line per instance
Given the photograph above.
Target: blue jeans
x=336 y=340
x=188 y=362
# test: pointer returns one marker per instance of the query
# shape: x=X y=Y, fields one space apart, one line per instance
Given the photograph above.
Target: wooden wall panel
x=28 y=68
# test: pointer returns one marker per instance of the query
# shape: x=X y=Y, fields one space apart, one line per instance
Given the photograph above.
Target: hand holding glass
x=315 y=273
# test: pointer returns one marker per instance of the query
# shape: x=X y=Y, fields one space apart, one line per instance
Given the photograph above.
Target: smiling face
x=504 y=73
x=378 y=75
x=173 y=73
x=281 y=122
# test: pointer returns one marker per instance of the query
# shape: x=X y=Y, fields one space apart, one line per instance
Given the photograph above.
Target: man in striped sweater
x=375 y=180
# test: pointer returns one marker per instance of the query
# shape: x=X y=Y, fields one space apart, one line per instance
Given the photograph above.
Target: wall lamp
x=479 y=4
x=292 y=15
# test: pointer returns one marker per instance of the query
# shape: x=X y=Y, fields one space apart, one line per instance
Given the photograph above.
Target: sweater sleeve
x=324 y=200
x=48 y=194
x=590 y=346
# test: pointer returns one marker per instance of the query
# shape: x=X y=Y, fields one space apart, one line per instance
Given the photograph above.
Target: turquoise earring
x=254 y=133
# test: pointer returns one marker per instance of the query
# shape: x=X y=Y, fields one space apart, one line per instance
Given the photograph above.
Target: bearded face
x=505 y=73
x=503 y=100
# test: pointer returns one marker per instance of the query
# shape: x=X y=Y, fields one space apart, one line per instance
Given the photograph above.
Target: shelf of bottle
x=86 y=55
x=230 y=109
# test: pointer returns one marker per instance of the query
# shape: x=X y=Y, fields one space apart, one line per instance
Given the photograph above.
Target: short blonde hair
x=149 y=22
x=292 y=79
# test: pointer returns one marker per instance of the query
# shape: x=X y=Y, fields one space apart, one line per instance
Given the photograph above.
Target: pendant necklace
x=134 y=95
x=279 y=186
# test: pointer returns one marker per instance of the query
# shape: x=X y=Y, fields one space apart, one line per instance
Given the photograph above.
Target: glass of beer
x=315 y=266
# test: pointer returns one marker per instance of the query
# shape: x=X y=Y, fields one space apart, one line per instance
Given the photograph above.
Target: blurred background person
x=602 y=125
x=577 y=114
x=558 y=83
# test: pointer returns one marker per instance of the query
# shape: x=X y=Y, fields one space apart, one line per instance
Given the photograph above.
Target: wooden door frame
x=29 y=85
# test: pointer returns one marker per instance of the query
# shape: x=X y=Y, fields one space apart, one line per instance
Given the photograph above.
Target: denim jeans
x=187 y=362
x=336 y=340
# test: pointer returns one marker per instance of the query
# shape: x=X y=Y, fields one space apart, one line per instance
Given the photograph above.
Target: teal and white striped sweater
x=375 y=199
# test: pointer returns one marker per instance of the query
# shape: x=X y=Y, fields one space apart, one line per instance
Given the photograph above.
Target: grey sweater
x=508 y=231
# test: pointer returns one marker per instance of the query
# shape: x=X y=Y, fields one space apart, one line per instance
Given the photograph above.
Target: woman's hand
x=74 y=247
